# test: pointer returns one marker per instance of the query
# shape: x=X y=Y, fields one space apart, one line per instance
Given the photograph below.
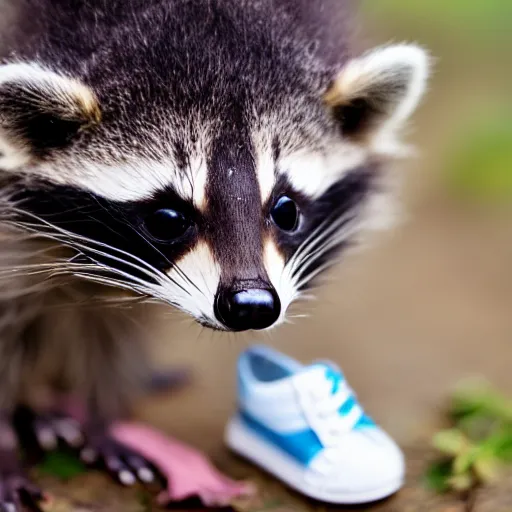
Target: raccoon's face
x=223 y=196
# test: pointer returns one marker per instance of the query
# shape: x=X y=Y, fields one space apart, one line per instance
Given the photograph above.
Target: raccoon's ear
x=374 y=95
x=40 y=111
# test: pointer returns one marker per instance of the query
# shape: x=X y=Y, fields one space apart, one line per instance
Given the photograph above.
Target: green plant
x=61 y=464
x=480 y=442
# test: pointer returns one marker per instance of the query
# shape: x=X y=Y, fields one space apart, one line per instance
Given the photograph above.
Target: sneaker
x=303 y=424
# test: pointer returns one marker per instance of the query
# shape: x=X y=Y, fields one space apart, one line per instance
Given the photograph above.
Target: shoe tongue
x=328 y=367
x=325 y=369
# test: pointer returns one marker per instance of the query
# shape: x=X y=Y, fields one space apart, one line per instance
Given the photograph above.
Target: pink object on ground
x=189 y=473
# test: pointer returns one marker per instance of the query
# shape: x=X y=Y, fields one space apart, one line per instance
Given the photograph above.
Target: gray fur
x=177 y=82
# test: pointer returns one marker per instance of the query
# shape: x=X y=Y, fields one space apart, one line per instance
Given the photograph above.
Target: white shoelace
x=324 y=408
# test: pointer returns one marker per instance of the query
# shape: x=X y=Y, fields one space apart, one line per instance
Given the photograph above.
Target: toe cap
x=363 y=461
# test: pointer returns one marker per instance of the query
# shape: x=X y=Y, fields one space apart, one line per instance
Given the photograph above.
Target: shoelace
x=335 y=404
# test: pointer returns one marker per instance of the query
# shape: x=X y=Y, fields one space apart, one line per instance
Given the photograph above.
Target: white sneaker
x=304 y=425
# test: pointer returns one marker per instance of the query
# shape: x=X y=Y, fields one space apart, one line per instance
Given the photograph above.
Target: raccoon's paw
x=187 y=471
x=48 y=429
x=121 y=462
x=18 y=493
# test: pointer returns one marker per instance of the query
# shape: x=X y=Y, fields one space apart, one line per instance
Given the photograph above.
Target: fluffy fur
x=112 y=110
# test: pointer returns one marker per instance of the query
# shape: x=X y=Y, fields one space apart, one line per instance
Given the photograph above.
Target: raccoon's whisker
x=173 y=265
x=323 y=238
x=108 y=281
x=318 y=233
x=88 y=246
x=54 y=269
x=308 y=297
x=93 y=250
x=325 y=234
x=154 y=273
x=84 y=244
x=326 y=246
x=9 y=264
x=317 y=271
x=206 y=285
x=137 y=283
x=68 y=239
x=78 y=269
x=105 y=301
x=121 y=284
x=306 y=273
x=316 y=236
x=303 y=247
x=37 y=268
x=187 y=278
x=70 y=234
x=29 y=290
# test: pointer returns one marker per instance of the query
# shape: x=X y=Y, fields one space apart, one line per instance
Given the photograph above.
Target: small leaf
x=462 y=482
x=500 y=444
x=62 y=465
x=486 y=469
x=451 y=442
x=463 y=462
x=476 y=397
x=476 y=427
x=437 y=476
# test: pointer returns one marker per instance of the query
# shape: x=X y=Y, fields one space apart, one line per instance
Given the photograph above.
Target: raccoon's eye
x=285 y=214
x=166 y=225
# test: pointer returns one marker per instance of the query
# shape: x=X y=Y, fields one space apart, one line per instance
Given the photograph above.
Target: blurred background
x=430 y=302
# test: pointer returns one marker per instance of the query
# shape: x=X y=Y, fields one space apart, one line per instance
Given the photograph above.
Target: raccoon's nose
x=241 y=310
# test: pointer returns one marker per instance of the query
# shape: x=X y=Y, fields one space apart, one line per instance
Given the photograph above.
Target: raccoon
x=212 y=155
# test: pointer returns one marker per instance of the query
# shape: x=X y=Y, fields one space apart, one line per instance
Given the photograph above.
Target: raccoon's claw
x=122 y=463
x=49 y=428
x=18 y=494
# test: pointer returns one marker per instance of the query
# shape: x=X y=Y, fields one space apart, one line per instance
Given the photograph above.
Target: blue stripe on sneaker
x=365 y=422
x=335 y=377
x=303 y=446
x=347 y=406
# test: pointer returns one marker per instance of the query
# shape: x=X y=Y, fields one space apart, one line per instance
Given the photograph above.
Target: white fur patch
x=13 y=154
x=313 y=172
x=199 y=174
x=46 y=80
x=406 y=65
x=196 y=278
x=265 y=167
x=275 y=266
x=128 y=179
x=135 y=179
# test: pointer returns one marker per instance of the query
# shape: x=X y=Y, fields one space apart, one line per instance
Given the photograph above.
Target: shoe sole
x=246 y=443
